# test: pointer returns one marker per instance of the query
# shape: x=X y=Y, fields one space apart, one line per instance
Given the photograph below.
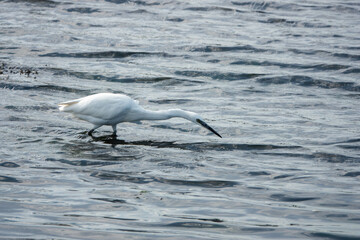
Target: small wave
x=171 y=101
x=138 y=2
x=42 y=3
x=228 y=49
x=88 y=76
x=318 y=67
x=258 y=173
x=119 y=176
x=195 y=225
x=106 y=54
x=355 y=57
x=213 y=8
x=25 y=108
x=332 y=236
x=9 y=179
x=352 y=174
x=287 y=198
x=84 y=10
x=128 y=177
x=306 y=81
x=321 y=156
x=111 y=200
x=81 y=162
x=334 y=158
x=9 y=165
x=48 y=87
x=218 y=75
x=295 y=23
x=198 y=183
x=352 y=70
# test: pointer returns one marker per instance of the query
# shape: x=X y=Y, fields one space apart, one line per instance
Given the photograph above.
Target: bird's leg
x=114 y=130
x=92 y=130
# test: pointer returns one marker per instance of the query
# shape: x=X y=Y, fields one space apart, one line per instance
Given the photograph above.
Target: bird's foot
x=90 y=133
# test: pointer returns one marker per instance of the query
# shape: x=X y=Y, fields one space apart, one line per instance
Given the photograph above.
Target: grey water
x=279 y=80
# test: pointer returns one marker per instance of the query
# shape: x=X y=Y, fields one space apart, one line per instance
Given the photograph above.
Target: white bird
x=110 y=109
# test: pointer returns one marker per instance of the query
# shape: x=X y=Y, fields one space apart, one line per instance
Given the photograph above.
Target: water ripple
x=107 y=54
x=306 y=81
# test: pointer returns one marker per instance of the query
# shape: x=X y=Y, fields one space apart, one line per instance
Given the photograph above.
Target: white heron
x=110 y=109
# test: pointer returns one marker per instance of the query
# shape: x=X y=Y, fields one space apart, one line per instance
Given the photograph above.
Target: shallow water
x=278 y=80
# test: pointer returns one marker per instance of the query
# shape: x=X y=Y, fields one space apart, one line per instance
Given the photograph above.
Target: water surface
x=279 y=80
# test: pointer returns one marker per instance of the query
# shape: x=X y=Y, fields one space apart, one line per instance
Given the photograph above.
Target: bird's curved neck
x=165 y=114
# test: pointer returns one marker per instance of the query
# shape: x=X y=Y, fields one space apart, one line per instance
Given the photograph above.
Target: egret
x=110 y=109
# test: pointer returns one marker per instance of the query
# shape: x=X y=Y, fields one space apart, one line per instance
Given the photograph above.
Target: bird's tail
x=64 y=105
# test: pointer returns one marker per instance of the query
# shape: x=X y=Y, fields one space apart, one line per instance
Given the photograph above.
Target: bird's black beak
x=202 y=123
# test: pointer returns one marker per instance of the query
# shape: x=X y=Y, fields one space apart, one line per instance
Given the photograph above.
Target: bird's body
x=110 y=109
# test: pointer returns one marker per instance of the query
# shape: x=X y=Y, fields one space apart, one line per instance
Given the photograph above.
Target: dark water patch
x=347 y=56
x=107 y=54
x=48 y=87
x=318 y=67
x=121 y=219
x=349 y=147
x=127 y=177
x=7 y=179
x=175 y=19
x=337 y=215
x=352 y=70
x=9 y=165
x=139 y=11
x=258 y=173
x=175 y=165
x=295 y=23
x=18 y=119
x=282 y=176
x=41 y=3
x=171 y=101
x=120 y=176
x=135 y=230
x=246 y=48
x=332 y=236
x=57 y=224
x=199 y=146
x=88 y=76
x=213 y=8
x=352 y=174
x=306 y=81
x=28 y=108
x=354 y=140
x=118 y=1
x=138 y=2
x=195 y=225
x=216 y=220
x=334 y=158
x=81 y=162
x=218 y=75
x=85 y=10
x=198 y=183
x=320 y=156
x=286 y=198
x=354 y=57
x=257 y=229
x=279 y=20
x=111 y=200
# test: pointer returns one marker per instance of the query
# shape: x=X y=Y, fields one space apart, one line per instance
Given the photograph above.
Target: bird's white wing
x=104 y=106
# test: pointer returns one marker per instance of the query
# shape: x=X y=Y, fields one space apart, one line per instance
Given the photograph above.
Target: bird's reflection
x=114 y=141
